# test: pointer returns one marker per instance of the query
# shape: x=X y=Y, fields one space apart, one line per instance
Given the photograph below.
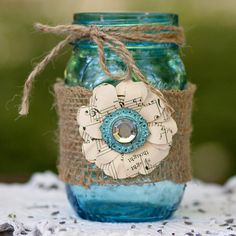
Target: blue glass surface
x=120 y=203
x=163 y=67
x=159 y=62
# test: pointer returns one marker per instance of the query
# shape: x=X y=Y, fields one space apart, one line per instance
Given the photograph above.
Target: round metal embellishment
x=124 y=130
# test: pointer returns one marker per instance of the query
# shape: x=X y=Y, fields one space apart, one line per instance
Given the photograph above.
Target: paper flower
x=126 y=129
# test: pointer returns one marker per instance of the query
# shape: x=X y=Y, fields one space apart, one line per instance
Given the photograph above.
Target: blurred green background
x=29 y=144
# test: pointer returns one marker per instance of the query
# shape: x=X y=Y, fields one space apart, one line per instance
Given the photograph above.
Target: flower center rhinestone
x=124 y=130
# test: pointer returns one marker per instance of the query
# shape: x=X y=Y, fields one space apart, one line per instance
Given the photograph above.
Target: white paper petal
x=104 y=99
x=107 y=170
x=154 y=108
x=116 y=168
x=162 y=132
x=89 y=146
x=132 y=164
x=160 y=154
x=105 y=154
x=89 y=150
x=85 y=136
x=162 y=146
x=144 y=159
x=145 y=171
x=90 y=120
x=132 y=94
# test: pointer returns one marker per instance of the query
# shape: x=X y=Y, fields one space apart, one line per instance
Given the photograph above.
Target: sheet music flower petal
x=162 y=132
x=132 y=95
x=104 y=98
x=90 y=120
x=127 y=130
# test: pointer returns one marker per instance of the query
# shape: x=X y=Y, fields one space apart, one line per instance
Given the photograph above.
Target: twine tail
x=110 y=36
x=24 y=107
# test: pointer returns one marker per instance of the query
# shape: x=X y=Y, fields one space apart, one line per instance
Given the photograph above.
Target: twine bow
x=113 y=38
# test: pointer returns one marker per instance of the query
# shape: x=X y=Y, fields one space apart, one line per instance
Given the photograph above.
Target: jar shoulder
x=164 y=71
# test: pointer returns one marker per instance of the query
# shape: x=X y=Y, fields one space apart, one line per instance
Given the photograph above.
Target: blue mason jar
x=162 y=66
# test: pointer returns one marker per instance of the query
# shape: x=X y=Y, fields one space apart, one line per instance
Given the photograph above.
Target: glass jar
x=162 y=66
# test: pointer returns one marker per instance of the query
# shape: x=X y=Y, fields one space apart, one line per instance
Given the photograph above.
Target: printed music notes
x=162 y=131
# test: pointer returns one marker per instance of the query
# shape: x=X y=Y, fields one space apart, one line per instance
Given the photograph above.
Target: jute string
x=113 y=38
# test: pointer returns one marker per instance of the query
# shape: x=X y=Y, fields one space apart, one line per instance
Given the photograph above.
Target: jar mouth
x=125 y=18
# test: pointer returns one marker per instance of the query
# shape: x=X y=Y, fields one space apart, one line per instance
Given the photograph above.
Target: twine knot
x=93 y=31
x=113 y=38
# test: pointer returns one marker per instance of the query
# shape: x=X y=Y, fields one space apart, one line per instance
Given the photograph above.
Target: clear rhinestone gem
x=124 y=130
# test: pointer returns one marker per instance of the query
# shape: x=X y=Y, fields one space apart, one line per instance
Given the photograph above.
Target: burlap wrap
x=75 y=169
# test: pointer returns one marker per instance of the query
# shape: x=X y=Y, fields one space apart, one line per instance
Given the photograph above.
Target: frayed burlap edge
x=75 y=169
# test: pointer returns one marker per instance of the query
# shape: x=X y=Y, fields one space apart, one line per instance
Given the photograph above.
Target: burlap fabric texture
x=75 y=169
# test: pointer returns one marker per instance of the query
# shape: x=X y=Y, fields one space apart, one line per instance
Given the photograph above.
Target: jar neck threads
x=126 y=19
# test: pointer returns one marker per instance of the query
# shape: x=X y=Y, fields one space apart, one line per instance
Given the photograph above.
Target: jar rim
x=125 y=18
